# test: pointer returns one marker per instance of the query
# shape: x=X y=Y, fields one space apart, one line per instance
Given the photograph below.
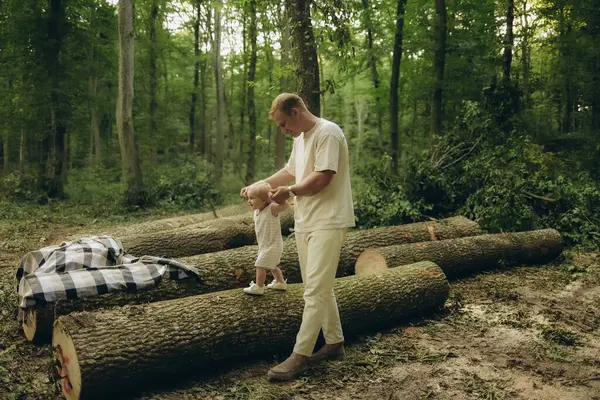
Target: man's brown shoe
x=290 y=369
x=328 y=352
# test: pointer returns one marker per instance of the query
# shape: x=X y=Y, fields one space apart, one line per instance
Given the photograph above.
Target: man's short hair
x=285 y=102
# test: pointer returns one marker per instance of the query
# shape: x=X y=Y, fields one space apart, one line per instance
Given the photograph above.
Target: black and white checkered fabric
x=90 y=266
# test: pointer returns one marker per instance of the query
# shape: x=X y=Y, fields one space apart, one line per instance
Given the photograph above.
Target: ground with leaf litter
x=521 y=333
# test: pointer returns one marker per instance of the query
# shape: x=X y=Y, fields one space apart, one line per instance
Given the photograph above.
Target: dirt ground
x=521 y=333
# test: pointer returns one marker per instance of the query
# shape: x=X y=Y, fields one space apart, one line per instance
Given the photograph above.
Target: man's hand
x=244 y=192
x=279 y=195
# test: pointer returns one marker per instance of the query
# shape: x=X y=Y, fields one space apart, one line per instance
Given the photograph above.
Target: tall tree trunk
x=439 y=65
x=284 y=83
x=305 y=48
x=22 y=150
x=220 y=93
x=95 y=140
x=56 y=144
x=192 y=117
x=372 y=61
x=251 y=167
x=566 y=99
x=244 y=85
x=394 y=83
x=509 y=39
x=203 y=88
x=132 y=173
x=154 y=21
x=525 y=55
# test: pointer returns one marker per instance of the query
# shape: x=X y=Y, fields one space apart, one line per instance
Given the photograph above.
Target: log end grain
x=369 y=262
x=67 y=363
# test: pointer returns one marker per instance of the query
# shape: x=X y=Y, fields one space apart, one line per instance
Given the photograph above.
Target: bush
x=380 y=198
x=186 y=183
x=22 y=187
x=506 y=185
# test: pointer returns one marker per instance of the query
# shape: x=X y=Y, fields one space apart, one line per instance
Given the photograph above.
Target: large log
x=235 y=268
x=162 y=224
x=206 y=237
x=458 y=257
x=37 y=322
x=127 y=350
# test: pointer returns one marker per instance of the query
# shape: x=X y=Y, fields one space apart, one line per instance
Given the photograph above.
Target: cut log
x=117 y=352
x=458 y=257
x=170 y=223
x=37 y=322
x=235 y=268
x=207 y=237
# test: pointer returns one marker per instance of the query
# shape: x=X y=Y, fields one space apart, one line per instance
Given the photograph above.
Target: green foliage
x=506 y=185
x=17 y=186
x=187 y=183
x=381 y=200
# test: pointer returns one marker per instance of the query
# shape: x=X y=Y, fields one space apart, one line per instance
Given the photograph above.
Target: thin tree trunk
x=129 y=154
x=154 y=20
x=284 y=84
x=372 y=63
x=251 y=167
x=203 y=88
x=439 y=65
x=394 y=84
x=22 y=150
x=95 y=141
x=220 y=133
x=244 y=85
x=509 y=39
x=525 y=65
x=192 y=116
x=54 y=184
x=305 y=48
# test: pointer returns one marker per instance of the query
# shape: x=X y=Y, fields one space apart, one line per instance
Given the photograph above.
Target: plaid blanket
x=90 y=266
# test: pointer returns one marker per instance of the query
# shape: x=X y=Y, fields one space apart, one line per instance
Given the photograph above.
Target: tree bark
x=206 y=237
x=509 y=39
x=54 y=184
x=251 y=167
x=192 y=116
x=305 y=49
x=394 y=83
x=461 y=256
x=129 y=154
x=95 y=139
x=220 y=132
x=284 y=86
x=372 y=59
x=235 y=268
x=439 y=65
x=154 y=21
x=180 y=337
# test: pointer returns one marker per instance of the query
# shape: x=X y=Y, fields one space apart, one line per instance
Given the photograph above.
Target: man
x=323 y=212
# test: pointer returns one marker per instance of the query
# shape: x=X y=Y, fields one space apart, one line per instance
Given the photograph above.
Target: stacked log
x=462 y=256
x=235 y=268
x=114 y=352
x=206 y=237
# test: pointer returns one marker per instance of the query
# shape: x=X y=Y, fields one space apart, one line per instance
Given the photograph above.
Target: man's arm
x=280 y=178
x=309 y=186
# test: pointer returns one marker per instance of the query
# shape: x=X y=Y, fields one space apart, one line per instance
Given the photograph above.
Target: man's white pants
x=319 y=254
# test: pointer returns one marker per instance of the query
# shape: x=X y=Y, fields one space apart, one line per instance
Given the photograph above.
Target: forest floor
x=520 y=333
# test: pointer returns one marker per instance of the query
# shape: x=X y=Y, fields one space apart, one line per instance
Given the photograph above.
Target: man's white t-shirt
x=322 y=148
